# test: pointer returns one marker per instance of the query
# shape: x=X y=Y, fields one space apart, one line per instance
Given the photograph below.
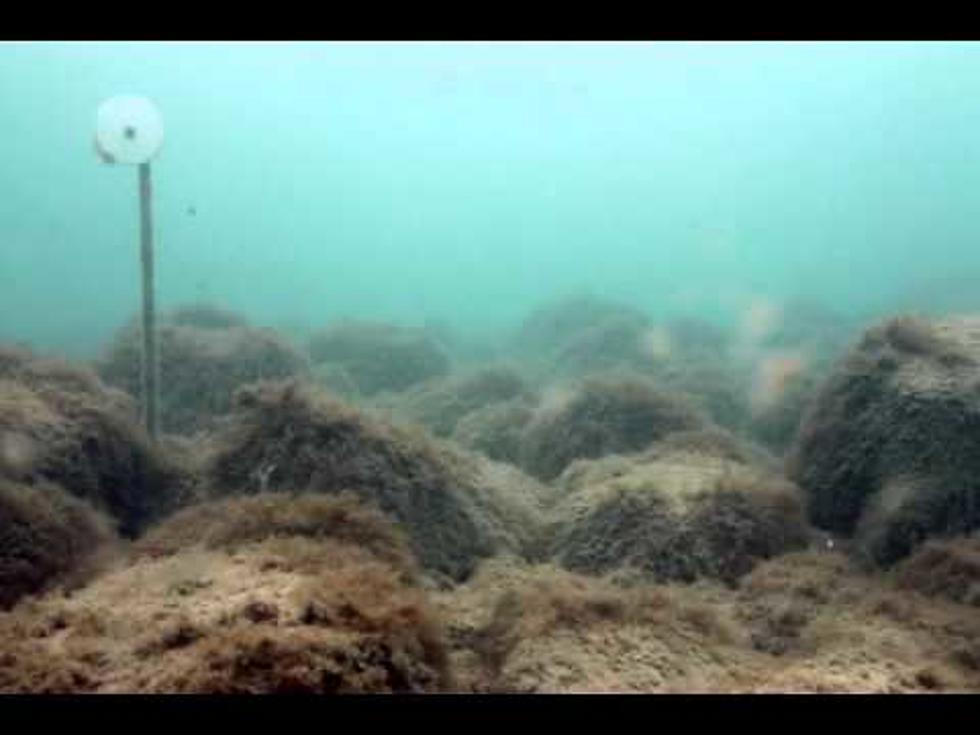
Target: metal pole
x=150 y=365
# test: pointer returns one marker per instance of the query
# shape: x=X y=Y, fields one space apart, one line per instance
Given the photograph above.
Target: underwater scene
x=489 y=367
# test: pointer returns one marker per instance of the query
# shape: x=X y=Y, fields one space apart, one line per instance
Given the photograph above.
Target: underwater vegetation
x=440 y=404
x=887 y=453
x=680 y=512
x=490 y=369
x=601 y=414
x=756 y=380
x=456 y=507
x=235 y=523
x=47 y=537
x=59 y=424
x=717 y=442
x=496 y=430
x=689 y=355
x=948 y=568
x=805 y=621
x=336 y=380
x=549 y=327
x=205 y=353
x=719 y=392
x=597 y=515
x=273 y=595
x=581 y=333
x=378 y=356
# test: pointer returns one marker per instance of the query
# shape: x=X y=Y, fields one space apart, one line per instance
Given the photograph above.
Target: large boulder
x=205 y=353
x=713 y=383
x=580 y=334
x=250 y=596
x=602 y=414
x=693 y=356
x=685 y=510
x=947 y=568
x=59 y=424
x=440 y=404
x=496 y=430
x=46 y=537
x=457 y=507
x=234 y=523
x=378 y=356
x=554 y=325
x=888 y=452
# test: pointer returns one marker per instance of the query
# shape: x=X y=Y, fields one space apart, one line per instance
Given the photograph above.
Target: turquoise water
x=467 y=183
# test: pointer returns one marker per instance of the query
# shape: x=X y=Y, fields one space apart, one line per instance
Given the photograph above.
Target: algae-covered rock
x=456 y=507
x=600 y=415
x=887 y=452
x=60 y=424
x=674 y=514
x=252 y=596
x=205 y=354
x=379 y=356
x=46 y=536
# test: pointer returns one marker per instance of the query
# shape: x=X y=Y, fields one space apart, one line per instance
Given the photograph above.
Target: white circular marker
x=128 y=130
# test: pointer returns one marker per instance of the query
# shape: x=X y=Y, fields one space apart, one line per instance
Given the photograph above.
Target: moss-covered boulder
x=888 y=451
x=205 y=354
x=457 y=507
x=59 y=424
x=379 y=356
x=603 y=414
